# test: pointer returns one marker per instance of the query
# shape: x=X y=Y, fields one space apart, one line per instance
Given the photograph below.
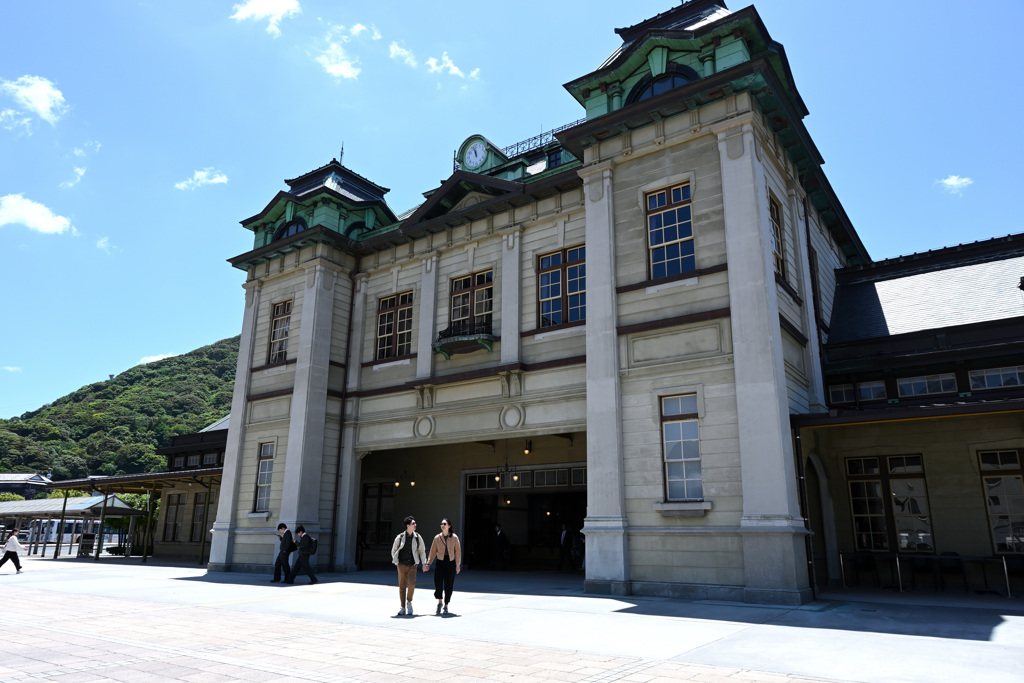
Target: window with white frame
x=175 y=504
x=889 y=503
x=562 y=290
x=996 y=378
x=394 y=326
x=264 y=477
x=281 y=318
x=472 y=303
x=1003 y=482
x=778 y=236
x=864 y=391
x=670 y=231
x=925 y=385
x=681 y=448
x=198 y=513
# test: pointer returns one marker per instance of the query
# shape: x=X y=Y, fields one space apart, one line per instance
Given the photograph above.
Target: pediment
x=461 y=191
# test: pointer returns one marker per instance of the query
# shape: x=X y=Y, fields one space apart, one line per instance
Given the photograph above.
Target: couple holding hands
x=409 y=550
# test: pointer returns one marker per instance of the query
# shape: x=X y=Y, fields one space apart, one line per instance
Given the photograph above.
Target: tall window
x=778 y=250
x=198 y=512
x=472 y=303
x=281 y=319
x=172 y=519
x=670 y=232
x=378 y=512
x=889 y=504
x=264 y=477
x=563 y=287
x=1003 y=479
x=681 y=443
x=394 y=326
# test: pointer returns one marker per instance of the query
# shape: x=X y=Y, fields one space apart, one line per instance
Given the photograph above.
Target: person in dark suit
x=282 y=565
x=305 y=550
x=565 y=541
x=501 y=548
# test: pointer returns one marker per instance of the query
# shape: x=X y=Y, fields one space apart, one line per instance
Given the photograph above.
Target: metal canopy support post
x=148 y=531
x=46 y=534
x=60 y=529
x=99 y=531
x=131 y=537
x=203 y=530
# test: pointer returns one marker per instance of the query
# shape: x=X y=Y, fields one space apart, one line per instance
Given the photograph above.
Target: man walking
x=305 y=550
x=11 y=550
x=408 y=551
x=282 y=565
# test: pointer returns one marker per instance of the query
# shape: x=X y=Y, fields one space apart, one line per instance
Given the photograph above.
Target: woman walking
x=448 y=551
x=11 y=550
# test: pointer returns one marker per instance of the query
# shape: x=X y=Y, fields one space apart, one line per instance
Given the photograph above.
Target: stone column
x=771 y=527
x=510 y=300
x=222 y=540
x=428 y=314
x=605 y=525
x=303 y=463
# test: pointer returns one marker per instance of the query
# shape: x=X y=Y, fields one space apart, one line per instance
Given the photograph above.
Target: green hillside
x=114 y=427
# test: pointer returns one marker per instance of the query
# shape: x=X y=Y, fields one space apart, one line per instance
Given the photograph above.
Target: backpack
x=312 y=545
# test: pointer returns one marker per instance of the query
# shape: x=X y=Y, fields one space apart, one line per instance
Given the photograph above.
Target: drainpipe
x=802 y=481
x=341 y=426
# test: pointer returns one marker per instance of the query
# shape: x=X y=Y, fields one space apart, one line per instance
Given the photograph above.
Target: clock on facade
x=475 y=155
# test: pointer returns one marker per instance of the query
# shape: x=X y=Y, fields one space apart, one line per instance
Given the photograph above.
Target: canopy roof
x=77 y=507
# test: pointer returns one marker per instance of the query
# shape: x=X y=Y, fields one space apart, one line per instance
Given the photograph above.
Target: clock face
x=475 y=155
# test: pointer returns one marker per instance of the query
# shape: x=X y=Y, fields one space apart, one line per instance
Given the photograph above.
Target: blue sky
x=134 y=136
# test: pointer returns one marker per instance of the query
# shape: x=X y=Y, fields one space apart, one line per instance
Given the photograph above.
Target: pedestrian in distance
x=282 y=565
x=501 y=548
x=307 y=547
x=565 y=542
x=448 y=551
x=407 y=552
x=11 y=550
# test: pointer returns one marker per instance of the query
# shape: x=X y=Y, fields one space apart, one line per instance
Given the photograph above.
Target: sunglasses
x=444 y=523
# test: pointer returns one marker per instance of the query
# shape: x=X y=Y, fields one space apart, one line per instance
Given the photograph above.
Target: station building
x=627 y=325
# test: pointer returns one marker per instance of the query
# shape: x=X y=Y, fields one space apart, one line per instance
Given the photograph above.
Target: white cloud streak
x=434 y=66
x=271 y=10
x=79 y=172
x=16 y=210
x=150 y=359
x=398 y=52
x=206 y=176
x=15 y=121
x=35 y=95
x=11 y=368
x=103 y=244
x=955 y=184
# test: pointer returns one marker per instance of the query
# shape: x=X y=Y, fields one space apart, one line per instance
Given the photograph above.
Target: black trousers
x=301 y=564
x=282 y=565
x=444 y=579
x=13 y=557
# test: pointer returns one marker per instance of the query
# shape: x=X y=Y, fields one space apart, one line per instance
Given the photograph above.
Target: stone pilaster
x=772 y=529
x=303 y=466
x=428 y=314
x=510 y=299
x=605 y=524
x=222 y=540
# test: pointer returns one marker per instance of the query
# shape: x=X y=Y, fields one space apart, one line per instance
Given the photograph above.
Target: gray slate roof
x=972 y=293
x=18 y=477
x=45 y=506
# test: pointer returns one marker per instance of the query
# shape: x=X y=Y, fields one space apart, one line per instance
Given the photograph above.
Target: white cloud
x=150 y=359
x=954 y=184
x=16 y=210
x=103 y=244
x=207 y=176
x=272 y=10
x=79 y=172
x=89 y=146
x=38 y=96
x=357 y=29
x=11 y=368
x=399 y=52
x=446 y=63
x=376 y=34
x=13 y=120
x=475 y=74
x=337 y=63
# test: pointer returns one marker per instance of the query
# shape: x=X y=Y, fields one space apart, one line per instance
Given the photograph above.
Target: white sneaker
x=401 y=612
x=408 y=608
x=19 y=571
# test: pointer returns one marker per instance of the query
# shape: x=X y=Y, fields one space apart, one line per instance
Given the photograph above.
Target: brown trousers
x=406 y=582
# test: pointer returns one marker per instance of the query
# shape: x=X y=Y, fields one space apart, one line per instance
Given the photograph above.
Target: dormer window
x=652 y=86
x=289 y=229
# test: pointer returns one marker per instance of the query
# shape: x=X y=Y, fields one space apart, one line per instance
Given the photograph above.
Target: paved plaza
x=118 y=620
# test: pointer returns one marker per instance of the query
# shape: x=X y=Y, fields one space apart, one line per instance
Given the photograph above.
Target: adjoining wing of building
x=655 y=325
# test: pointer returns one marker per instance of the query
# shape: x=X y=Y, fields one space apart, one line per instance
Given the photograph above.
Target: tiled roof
x=957 y=295
x=15 y=477
x=43 y=506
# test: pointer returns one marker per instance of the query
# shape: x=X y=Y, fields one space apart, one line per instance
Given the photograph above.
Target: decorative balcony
x=465 y=336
